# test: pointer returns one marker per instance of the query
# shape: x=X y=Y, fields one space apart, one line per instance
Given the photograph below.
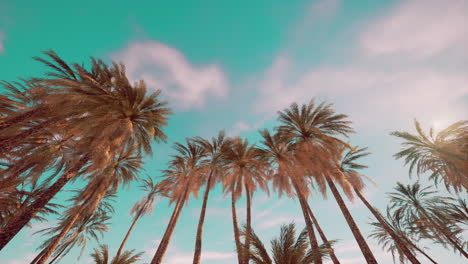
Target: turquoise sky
x=231 y=65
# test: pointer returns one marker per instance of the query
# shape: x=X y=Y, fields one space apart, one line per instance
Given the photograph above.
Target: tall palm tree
x=102 y=109
x=444 y=155
x=144 y=206
x=15 y=201
x=245 y=171
x=426 y=213
x=313 y=130
x=286 y=248
x=184 y=175
x=349 y=166
x=394 y=223
x=123 y=168
x=215 y=169
x=279 y=153
x=101 y=256
x=83 y=230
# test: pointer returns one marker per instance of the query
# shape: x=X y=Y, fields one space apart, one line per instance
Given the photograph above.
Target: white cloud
x=420 y=28
x=242 y=127
x=399 y=87
x=166 y=68
x=280 y=220
x=207 y=256
x=150 y=248
x=2 y=37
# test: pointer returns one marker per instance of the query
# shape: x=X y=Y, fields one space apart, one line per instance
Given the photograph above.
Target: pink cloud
x=166 y=68
x=384 y=93
x=421 y=28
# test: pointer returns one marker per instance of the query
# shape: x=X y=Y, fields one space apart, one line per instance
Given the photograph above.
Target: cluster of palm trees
x=95 y=126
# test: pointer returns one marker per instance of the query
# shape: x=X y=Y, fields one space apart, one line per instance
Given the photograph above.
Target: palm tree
x=426 y=213
x=444 y=155
x=244 y=171
x=389 y=243
x=102 y=109
x=145 y=206
x=286 y=248
x=313 y=130
x=85 y=228
x=101 y=256
x=279 y=154
x=15 y=201
x=349 y=166
x=215 y=169
x=123 y=169
x=183 y=176
x=458 y=211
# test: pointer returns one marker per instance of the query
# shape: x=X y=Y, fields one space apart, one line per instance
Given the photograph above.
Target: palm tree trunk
x=249 y=225
x=310 y=228
x=36 y=259
x=368 y=255
x=236 y=229
x=322 y=235
x=64 y=247
x=201 y=220
x=398 y=240
x=58 y=255
x=14 y=226
x=53 y=246
x=162 y=248
x=137 y=216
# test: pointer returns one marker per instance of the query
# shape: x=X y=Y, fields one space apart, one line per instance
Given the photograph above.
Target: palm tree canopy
x=213 y=159
x=278 y=153
x=244 y=168
x=90 y=225
x=384 y=239
x=444 y=155
x=286 y=248
x=101 y=256
x=349 y=167
x=152 y=190
x=419 y=208
x=185 y=172
x=314 y=130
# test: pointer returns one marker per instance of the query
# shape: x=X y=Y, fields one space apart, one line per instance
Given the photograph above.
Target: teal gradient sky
x=231 y=65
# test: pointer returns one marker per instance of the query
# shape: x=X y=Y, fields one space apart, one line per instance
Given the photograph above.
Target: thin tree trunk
x=310 y=228
x=53 y=246
x=14 y=226
x=64 y=248
x=398 y=240
x=368 y=255
x=162 y=248
x=322 y=235
x=249 y=225
x=36 y=259
x=137 y=216
x=201 y=220
x=236 y=229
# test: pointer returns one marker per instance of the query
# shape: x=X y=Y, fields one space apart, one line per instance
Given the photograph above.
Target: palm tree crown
x=444 y=155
